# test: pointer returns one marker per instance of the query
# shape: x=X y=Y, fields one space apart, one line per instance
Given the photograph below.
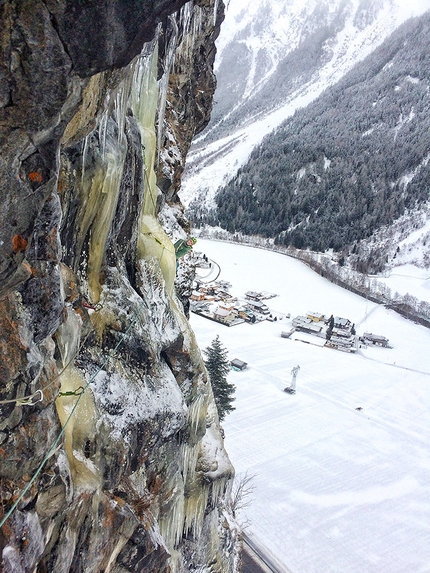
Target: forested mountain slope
x=273 y=58
x=352 y=161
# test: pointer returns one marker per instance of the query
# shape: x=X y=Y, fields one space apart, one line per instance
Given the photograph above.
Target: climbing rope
x=79 y=392
x=30 y=400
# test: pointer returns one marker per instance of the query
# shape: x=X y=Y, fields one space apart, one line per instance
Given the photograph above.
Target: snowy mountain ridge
x=272 y=60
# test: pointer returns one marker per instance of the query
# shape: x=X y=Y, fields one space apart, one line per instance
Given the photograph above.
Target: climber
x=184 y=246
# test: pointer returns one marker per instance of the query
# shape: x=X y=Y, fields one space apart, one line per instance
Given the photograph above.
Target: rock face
x=111 y=453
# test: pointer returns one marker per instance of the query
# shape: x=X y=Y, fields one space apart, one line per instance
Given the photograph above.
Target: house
x=238 y=365
x=265 y=295
x=344 y=323
x=224 y=285
x=197 y=306
x=315 y=316
x=310 y=328
x=251 y=295
x=341 y=332
x=220 y=312
x=247 y=316
x=375 y=339
x=227 y=305
x=223 y=293
x=301 y=320
x=344 y=344
x=196 y=295
x=223 y=310
x=259 y=307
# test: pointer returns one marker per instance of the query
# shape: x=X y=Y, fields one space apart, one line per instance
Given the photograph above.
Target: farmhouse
x=221 y=312
x=198 y=306
x=301 y=320
x=265 y=295
x=345 y=344
x=251 y=295
x=247 y=316
x=315 y=316
x=310 y=328
x=196 y=295
x=375 y=339
x=259 y=307
x=344 y=323
x=287 y=333
x=229 y=305
x=341 y=332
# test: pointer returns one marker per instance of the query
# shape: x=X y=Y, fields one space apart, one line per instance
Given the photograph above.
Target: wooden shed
x=238 y=365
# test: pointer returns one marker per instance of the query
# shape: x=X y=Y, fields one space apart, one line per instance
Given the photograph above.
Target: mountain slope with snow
x=273 y=59
x=352 y=161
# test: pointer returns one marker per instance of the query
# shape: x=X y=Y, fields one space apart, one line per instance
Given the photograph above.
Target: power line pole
x=292 y=388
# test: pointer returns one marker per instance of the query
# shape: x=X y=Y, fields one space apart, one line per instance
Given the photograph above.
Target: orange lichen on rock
x=19 y=243
x=35 y=177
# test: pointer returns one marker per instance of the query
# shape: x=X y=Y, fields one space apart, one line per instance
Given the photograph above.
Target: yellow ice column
x=153 y=240
x=80 y=429
x=101 y=188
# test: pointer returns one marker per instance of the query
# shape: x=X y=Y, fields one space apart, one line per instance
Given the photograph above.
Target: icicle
x=102 y=132
x=164 y=82
x=69 y=336
x=189 y=457
x=195 y=507
x=153 y=241
x=172 y=524
x=218 y=490
x=215 y=11
x=80 y=427
x=84 y=158
x=197 y=412
x=186 y=15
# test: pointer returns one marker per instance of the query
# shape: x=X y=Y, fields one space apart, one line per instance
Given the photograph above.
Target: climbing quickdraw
x=76 y=392
x=26 y=400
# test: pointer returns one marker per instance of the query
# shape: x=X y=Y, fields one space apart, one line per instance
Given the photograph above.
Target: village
x=214 y=301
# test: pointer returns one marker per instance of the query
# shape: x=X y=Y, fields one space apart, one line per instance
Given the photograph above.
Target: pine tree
x=329 y=331
x=218 y=367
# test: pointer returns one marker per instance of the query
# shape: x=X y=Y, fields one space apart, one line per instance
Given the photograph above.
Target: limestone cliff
x=111 y=453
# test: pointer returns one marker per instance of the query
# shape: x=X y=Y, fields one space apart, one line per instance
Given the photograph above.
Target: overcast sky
x=416 y=6
x=242 y=11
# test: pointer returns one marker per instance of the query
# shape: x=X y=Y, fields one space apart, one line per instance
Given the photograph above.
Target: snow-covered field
x=409 y=279
x=336 y=489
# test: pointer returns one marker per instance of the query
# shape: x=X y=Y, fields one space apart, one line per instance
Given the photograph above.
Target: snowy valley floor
x=336 y=489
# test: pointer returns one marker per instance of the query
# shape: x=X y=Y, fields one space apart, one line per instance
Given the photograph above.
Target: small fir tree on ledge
x=218 y=367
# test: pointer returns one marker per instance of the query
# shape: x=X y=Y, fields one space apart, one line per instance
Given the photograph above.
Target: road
x=248 y=563
x=256 y=559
